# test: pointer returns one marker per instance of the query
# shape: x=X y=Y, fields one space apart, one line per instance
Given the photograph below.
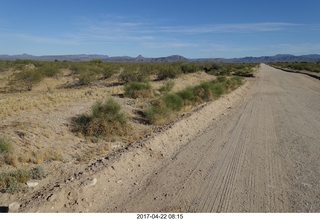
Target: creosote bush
x=25 y=80
x=105 y=119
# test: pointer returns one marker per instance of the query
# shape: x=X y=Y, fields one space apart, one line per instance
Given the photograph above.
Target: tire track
x=257 y=158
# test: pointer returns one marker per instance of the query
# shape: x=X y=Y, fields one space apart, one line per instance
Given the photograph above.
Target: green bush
x=138 y=90
x=187 y=96
x=87 y=76
x=108 y=71
x=105 y=119
x=203 y=92
x=48 y=70
x=158 y=115
x=172 y=101
x=131 y=74
x=221 y=79
x=163 y=109
x=25 y=80
x=167 y=87
x=189 y=67
x=169 y=70
x=217 y=90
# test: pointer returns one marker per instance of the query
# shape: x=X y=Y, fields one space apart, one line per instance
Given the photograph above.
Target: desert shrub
x=187 y=96
x=189 y=67
x=158 y=113
x=237 y=80
x=232 y=83
x=48 y=70
x=217 y=90
x=14 y=181
x=167 y=87
x=107 y=71
x=169 y=70
x=77 y=67
x=128 y=76
x=20 y=64
x=203 y=92
x=37 y=173
x=172 y=101
x=105 y=119
x=138 y=90
x=96 y=61
x=163 y=109
x=5 y=145
x=25 y=80
x=4 y=65
x=87 y=76
x=221 y=79
x=149 y=68
x=307 y=66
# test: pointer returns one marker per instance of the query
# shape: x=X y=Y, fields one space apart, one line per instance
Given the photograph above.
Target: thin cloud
x=154 y=45
x=298 y=49
x=229 y=28
x=39 y=39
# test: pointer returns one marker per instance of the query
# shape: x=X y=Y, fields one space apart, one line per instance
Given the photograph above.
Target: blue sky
x=194 y=29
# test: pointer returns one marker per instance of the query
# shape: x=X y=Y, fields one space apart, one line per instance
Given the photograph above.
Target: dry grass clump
x=5 y=145
x=138 y=90
x=7 y=155
x=87 y=155
x=11 y=104
x=14 y=181
x=105 y=120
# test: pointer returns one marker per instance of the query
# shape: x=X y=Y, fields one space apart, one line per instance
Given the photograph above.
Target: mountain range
x=173 y=58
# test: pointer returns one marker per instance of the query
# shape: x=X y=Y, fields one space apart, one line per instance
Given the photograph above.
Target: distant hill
x=173 y=58
x=276 y=58
x=279 y=58
x=86 y=57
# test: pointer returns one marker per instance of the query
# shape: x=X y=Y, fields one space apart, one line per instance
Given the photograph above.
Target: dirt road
x=262 y=157
x=261 y=154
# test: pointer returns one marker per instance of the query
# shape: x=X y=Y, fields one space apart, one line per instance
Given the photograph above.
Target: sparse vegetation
x=169 y=70
x=5 y=145
x=164 y=109
x=138 y=90
x=44 y=86
x=105 y=119
x=306 y=66
x=25 y=80
x=14 y=181
x=167 y=87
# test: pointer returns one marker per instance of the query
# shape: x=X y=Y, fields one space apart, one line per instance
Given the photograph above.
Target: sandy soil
x=254 y=150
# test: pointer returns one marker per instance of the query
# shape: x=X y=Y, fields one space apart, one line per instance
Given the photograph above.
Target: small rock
x=31 y=183
x=91 y=182
x=157 y=92
x=51 y=197
x=14 y=206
